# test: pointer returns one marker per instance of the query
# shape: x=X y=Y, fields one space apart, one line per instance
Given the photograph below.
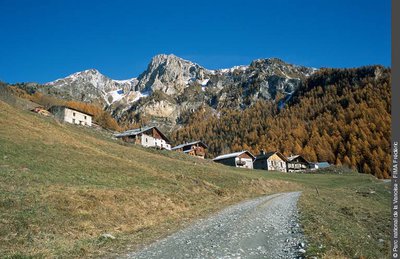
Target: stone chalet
x=71 y=115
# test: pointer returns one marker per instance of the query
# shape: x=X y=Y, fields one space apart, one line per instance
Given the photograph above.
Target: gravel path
x=265 y=227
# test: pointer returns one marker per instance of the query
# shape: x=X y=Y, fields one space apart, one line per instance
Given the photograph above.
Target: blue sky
x=45 y=40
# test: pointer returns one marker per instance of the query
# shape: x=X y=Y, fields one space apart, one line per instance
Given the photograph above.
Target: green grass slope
x=63 y=186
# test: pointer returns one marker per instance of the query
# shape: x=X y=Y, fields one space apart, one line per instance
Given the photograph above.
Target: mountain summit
x=170 y=74
x=89 y=85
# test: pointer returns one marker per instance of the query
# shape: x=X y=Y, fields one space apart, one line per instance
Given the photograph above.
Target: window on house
x=146 y=140
x=73 y=114
x=73 y=120
x=85 y=117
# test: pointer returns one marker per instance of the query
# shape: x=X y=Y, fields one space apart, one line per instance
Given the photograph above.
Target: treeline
x=100 y=116
x=338 y=115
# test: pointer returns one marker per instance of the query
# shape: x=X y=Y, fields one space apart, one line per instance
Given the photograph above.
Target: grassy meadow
x=63 y=186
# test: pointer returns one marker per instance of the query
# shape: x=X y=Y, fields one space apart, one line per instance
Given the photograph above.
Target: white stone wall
x=248 y=161
x=149 y=141
x=76 y=117
x=277 y=165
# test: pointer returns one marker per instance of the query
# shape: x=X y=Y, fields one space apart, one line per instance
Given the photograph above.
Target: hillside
x=63 y=186
x=337 y=115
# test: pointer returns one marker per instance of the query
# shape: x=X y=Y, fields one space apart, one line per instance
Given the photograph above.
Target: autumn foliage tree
x=338 y=115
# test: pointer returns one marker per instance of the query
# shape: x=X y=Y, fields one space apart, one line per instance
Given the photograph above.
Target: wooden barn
x=297 y=163
x=195 y=148
x=271 y=161
x=147 y=137
x=243 y=159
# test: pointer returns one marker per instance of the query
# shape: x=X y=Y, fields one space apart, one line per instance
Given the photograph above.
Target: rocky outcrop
x=170 y=74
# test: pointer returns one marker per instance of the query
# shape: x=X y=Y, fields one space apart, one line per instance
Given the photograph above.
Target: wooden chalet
x=297 y=163
x=147 y=137
x=195 y=148
x=243 y=159
x=271 y=161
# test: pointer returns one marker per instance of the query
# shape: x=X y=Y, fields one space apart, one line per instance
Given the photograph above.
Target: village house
x=271 y=161
x=196 y=148
x=243 y=159
x=147 y=137
x=70 y=115
x=297 y=163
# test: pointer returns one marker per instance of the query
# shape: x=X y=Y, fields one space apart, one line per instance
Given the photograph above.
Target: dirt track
x=265 y=227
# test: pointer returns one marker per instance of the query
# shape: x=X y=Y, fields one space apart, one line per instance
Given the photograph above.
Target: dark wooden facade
x=147 y=137
x=297 y=163
x=272 y=161
x=243 y=159
x=196 y=148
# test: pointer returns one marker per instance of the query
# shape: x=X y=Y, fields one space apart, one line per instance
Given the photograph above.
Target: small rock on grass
x=107 y=236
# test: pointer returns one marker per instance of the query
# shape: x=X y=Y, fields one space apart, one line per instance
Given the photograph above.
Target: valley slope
x=341 y=116
x=64 y=186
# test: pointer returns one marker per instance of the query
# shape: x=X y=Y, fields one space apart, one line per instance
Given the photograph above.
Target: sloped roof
x=236 y=154
x=64 y=106
x=134 y=132
x=190 y=144
x=291 y=158
x=269 y=154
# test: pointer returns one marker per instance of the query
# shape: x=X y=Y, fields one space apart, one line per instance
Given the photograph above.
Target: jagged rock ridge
x=89 y=85
x=171 y=87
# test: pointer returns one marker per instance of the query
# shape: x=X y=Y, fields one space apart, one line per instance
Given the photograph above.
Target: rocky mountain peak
x=278 y=67
x=81 y=75
x=169 y=74
x=89 y=85
x=160 y=58
x=269 y=61
x=91 y=71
